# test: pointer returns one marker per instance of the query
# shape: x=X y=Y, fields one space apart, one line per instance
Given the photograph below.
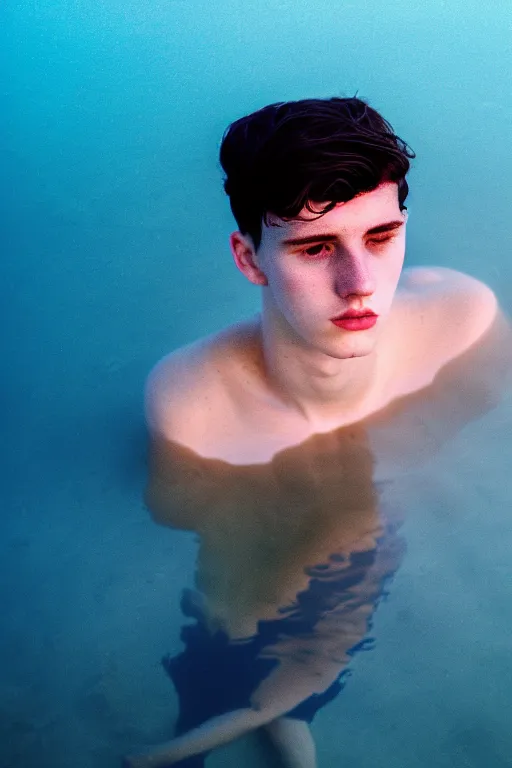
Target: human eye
x=316 y=251
x=382 y=240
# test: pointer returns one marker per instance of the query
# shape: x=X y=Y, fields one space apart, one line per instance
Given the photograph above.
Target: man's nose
x=354 y=275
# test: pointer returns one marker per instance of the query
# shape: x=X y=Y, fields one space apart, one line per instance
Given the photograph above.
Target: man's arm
x=173 y=469
x=214 y=733
x=472 y=339
x=282 y=693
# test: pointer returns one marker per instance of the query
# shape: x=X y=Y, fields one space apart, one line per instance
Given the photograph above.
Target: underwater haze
x=116 y=252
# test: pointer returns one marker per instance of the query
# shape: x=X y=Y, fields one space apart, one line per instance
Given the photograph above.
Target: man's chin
x=351 y=344
x=353 y=354
x=340 y=345
x=347 y=351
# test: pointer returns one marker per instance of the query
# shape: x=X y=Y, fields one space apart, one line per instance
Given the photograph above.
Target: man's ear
x=245 y=258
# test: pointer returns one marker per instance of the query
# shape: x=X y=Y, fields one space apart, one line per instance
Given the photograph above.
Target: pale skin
x=273 y=381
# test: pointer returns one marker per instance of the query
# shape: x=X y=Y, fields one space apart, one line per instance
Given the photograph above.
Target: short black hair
x=289 y=154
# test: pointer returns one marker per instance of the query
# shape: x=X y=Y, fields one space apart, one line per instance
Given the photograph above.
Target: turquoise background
x=116 y=251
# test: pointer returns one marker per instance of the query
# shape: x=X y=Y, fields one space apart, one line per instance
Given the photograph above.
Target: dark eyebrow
x=387 y=227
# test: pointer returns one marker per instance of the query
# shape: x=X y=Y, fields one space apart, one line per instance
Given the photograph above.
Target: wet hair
x=288 y=155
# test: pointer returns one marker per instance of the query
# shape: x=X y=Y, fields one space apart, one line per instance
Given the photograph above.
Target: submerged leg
x=293 y=741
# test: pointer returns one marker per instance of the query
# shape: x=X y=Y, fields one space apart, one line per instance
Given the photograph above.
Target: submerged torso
x=262 y=527
x=272 y=502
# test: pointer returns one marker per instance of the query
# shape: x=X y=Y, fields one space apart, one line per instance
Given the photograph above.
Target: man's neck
x=323 y=390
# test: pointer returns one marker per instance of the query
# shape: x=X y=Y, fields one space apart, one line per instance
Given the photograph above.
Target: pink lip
x=356 y=320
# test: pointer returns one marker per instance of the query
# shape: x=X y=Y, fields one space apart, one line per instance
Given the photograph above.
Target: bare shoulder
x=449 y=284
x=457 y=308
x=187 y=387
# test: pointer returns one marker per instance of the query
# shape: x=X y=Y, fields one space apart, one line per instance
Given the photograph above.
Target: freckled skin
x=302 y=293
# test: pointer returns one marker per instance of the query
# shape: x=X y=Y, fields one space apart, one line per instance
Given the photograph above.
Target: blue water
x=116 y=251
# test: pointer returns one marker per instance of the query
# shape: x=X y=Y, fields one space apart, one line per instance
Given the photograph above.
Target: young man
x=317 y=188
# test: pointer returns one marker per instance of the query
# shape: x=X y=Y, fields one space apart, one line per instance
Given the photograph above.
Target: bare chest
x=255 y=434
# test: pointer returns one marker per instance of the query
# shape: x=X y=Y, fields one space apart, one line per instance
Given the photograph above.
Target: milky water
x=116 y=252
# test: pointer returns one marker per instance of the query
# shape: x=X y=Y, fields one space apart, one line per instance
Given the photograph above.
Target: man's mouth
x=356 y=320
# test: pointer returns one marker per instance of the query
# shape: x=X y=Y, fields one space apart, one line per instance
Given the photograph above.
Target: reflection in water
x=296 y=554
